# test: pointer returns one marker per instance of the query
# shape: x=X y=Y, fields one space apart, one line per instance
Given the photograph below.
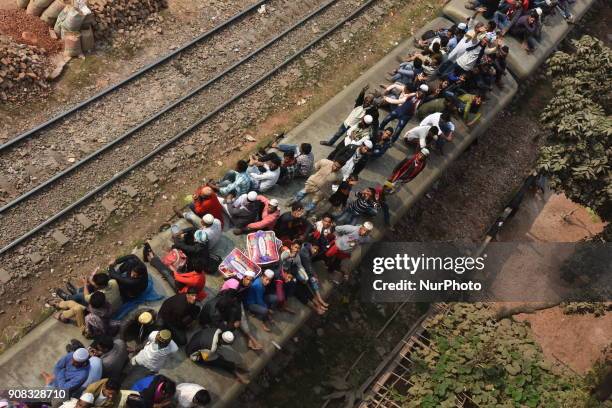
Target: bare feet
x=243 y=379
x=58 y=316
x=177 y=212
x=265 y=327
x=254 y=345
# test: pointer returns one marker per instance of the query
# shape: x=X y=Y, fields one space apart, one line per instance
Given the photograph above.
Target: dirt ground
x=26 y=29
x=575 y=340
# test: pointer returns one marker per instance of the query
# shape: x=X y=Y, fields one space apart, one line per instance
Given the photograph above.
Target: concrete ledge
x=521 y=64
x=580 y=7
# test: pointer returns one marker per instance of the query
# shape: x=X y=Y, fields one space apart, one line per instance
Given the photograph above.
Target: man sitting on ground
x=70 y=372
x=191 y=396
x=264 y=174
x=210 y=232
x=212 y=347
x=205 y=201
x=293 y=224
x=177 y=313
x=105 y=392
x=156 y=351
x=235 y=182
x=269 y=216
x=257 y=302
x=112 y=353
x=244 y=210
x=348 y=238
x=131 y=276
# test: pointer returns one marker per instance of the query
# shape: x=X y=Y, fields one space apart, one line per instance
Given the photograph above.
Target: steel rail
x=178 y=136
x=130 y=78
x=158 y=114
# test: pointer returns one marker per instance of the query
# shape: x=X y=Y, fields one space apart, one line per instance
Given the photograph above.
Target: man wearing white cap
x=269 y=216
x=213 y=347
x=407 y=170
x=210 y=233
x=364 y=105
x=257 y=302
x=70 y=372
x=244 y=210
x=357 y=135
x=407 y=104
x=421 y=135
x=348 y=238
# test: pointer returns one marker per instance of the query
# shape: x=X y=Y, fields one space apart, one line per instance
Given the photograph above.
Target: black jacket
x=130 y=288
x=176 y=311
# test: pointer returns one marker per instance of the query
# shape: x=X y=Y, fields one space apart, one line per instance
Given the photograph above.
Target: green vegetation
x=493 y=363
x=578 y=154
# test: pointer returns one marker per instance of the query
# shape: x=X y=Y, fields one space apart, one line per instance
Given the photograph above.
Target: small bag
x=175 y=259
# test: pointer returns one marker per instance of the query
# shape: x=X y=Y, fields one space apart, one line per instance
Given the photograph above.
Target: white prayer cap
x=227 y=336
x=250 y=274
x=462 y=26
x=87 y=397
x=368 y=144
x=425 y=151
x=368 y=119
x=539 y=11
x=208 y=219
x=269 y=273
x=80 y=355
x=252 y=196
x=424 y=88
x=274 y=202
x=368 y=225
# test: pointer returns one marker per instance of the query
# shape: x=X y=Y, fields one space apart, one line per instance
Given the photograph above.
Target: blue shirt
x=143 y=383
x=256 y=292
x=67 y=376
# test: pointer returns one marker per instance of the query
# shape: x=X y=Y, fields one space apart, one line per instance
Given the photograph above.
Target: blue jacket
x=256 y=292
x=68 y=376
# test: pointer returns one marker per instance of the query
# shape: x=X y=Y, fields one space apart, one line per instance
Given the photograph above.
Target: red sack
x=175 y=259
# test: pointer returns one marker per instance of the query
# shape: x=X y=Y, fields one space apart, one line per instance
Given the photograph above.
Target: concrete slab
x=521 y=64
x=580 y=7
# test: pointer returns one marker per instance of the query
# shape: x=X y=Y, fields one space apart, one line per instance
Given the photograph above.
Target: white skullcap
x=425 y=151
x=208 y=219
x=539 y=11
x=252 y=196
x=368 y=119
x=548 y=2
x=462 y=26
x=274 y=202
x=368 y=144
x=368 y=225
x=250 y=274
x=269 y=273
x=227 y=336
x=80 y=355
x=424 y=88
x=87 y=397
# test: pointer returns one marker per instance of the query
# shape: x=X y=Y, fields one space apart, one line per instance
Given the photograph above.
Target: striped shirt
x=241 y=185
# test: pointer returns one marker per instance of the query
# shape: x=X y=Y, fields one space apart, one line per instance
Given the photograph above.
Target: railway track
x=38 y=207
x=42 y=153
